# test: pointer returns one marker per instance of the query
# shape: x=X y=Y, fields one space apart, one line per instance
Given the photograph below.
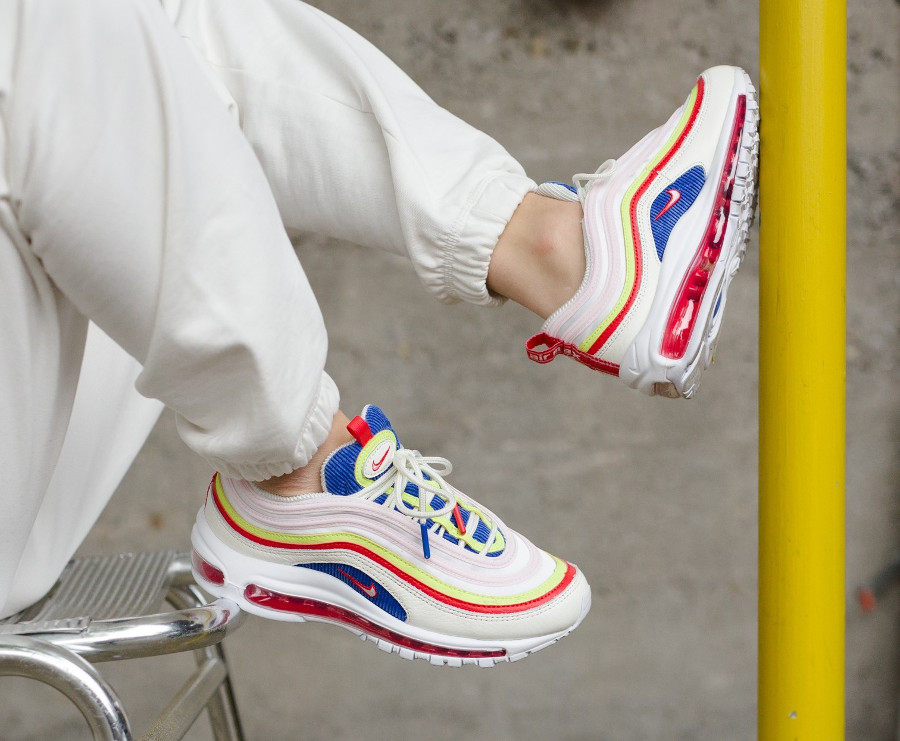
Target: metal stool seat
x=105 y=609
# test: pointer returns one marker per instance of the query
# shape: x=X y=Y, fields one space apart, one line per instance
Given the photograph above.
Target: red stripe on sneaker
x=411 y=580
x=638 y=249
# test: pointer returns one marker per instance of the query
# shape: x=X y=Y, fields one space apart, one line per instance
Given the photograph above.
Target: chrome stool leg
x=24 y=656
x=103 y=608
x=221 y=706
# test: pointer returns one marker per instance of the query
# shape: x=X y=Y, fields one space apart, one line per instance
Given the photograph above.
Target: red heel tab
x=359 y=428
x=553 y=346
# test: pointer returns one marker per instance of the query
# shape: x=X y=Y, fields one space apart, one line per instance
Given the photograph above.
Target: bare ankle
x=307 y=480
x=539 y=259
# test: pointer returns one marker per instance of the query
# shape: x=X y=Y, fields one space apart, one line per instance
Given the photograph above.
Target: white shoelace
x=427 y=473
x=582 y=181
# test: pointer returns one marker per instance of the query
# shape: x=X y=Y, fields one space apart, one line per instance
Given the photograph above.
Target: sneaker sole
x=645 y=366
x=279 y=592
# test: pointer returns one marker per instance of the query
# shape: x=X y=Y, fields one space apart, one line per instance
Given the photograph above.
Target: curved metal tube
x=152 y=635
x=27 y=656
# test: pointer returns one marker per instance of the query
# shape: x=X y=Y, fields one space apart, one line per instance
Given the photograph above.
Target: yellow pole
x=802 y=381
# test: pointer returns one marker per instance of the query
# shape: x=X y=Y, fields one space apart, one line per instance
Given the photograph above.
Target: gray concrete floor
x=655 y=500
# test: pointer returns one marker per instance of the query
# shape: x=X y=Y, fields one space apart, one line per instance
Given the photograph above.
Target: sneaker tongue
x=357 y=464
x=369 y=457
x=559 y=191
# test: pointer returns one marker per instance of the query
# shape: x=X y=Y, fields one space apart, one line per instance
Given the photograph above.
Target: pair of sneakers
x=393 y=552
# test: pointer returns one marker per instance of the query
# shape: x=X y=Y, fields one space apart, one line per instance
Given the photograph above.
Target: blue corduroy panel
x=378 y=421
x=364 y=584
x=339 y=470
x=670 y=205
x=481 y=532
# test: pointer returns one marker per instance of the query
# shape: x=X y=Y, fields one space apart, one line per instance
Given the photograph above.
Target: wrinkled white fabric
x=352 y=147
x=146 y=185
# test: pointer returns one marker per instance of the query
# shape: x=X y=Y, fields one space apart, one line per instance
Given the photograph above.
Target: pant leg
x=351 y=146
x=41 y=346
x=109 y=423
x=149 y=212
x=72 y=421
x=128 y=197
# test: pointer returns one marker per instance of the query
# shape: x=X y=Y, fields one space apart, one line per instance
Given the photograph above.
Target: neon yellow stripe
x=423 y=576
x=446 y=521
x=626 y=219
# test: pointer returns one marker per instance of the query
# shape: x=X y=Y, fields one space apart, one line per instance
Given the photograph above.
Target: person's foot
x=390 y=551
x=665 y=228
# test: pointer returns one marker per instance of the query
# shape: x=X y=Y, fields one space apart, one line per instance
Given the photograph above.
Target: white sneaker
x=665 y=228
x=390 y=551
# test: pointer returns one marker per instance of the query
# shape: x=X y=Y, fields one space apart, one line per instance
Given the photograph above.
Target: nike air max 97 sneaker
x=390 y=551
x=665 y=227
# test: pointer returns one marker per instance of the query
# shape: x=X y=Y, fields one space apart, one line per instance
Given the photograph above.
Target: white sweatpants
x=129 y=198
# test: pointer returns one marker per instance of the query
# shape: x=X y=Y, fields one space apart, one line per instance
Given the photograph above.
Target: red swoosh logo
x=674 y=197
x=370 y=591
x=377 y=464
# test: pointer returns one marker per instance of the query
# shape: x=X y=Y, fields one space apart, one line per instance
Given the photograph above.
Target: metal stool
x=103 y=609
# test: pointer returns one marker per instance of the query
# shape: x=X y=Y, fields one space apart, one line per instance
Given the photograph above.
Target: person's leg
x=42 y=340
x=388 y=549
x=539 y=259
x=128 y=197
x=41 y=344
x=354 y=149
x=351 y=146
x=665 y=230
x=109 y=424
x=167 y=237
x=69 y=434
x=370 y=535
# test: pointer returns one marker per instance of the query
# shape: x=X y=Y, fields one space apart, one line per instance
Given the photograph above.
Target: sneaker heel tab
x=552 y=347
x=359 y=428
